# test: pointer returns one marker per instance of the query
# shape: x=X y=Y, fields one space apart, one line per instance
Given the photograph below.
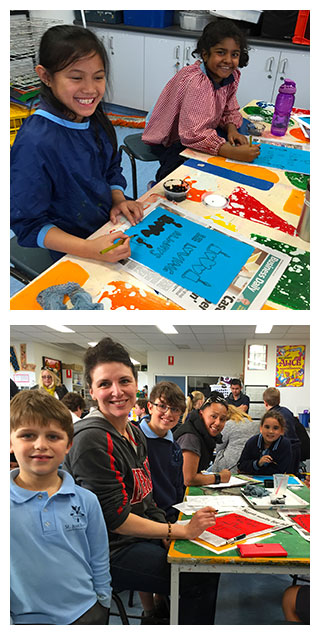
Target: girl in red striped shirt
x=198 y=107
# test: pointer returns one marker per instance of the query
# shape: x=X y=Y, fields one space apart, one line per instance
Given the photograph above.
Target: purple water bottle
x=283 y=106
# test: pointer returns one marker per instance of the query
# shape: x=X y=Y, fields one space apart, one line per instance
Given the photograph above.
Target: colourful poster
x=290 y=366
x=286 y=158
x=202 y=260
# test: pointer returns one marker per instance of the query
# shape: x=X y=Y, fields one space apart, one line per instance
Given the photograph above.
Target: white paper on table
x=220 y=503
x=233 y=482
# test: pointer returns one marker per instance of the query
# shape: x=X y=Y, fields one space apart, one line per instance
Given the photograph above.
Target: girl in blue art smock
x=66 y=176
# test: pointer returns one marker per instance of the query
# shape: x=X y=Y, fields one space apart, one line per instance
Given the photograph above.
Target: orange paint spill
x=194 y=194
x=62 y=273
x=297 y=133
x=246 y=169
x=132 y=298
x=294 y=203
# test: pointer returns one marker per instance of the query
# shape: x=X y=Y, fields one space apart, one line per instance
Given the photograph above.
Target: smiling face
x=163 y=416
x=39 y=449
x=80 y=86
x=47 y=378
x=223 y=59
x=271 y=430
x=214 y=417
x=114 y=387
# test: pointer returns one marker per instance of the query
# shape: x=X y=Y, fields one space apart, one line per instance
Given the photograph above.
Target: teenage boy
x=236 y=397
x=166 y=405
x=59 y=542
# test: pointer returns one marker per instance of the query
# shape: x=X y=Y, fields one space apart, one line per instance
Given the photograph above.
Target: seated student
x=296 y=604
x=165 y=405
x=59 y=543
x=270 y=451
x=198 y=437
x=109 y=456
x=271 y=399
x=66 y=179
x=237 y=430
x=141 y=410
x=75 y=404
x=194 y=401
x=236 y=397
x=198 y=107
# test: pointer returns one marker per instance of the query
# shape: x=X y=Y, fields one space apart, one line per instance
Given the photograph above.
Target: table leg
x=174 y=595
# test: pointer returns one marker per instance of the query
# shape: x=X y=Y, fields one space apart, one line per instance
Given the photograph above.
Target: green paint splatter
x=293 y=288
x=299 y=180
x=266 y=114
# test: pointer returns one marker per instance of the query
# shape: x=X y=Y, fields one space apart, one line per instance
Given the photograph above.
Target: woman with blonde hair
x=50 y=382
x=194 y=401
x=238 y=429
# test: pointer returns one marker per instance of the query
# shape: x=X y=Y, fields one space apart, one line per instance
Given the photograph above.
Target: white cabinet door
x=126 y=57
x=258 y=78
x=163 y=58
x=295 y=65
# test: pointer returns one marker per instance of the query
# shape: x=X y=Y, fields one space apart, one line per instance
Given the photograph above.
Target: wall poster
x=290 y=363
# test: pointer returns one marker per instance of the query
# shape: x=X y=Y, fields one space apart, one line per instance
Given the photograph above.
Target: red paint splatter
x=245 y=206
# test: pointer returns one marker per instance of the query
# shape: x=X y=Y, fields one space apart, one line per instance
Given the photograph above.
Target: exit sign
x=171 y=360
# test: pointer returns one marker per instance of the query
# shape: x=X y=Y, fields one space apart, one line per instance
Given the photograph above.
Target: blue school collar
x=64 y=123
x=150 y=434
x=217 y=85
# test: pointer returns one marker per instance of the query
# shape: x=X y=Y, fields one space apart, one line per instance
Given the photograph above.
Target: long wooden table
x=273 y=196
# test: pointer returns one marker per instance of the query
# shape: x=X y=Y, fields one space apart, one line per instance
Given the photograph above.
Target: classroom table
x=275 y=195
x=186 y=556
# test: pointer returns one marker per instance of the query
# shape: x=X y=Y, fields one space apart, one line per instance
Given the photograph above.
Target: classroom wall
x=194 y=363
x=35 y=351
x=295 y=398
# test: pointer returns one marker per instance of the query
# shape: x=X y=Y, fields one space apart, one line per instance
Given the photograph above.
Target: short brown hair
x=106 y=351
x=73 y=401
x=37 y=406
x=271 y=396
x=142 y=403
x=170 y=393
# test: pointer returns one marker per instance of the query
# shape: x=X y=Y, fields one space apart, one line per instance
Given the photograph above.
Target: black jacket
x=196 y=426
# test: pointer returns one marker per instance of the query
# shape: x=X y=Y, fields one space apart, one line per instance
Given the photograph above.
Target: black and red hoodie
x=116 y=470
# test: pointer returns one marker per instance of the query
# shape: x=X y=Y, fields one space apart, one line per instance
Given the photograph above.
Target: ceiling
x=139 y=339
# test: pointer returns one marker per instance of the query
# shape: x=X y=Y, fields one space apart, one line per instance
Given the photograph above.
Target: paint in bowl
x=214 y=200
x=176 y=189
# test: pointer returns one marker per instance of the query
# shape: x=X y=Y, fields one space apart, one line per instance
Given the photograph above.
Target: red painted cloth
x=190 y=108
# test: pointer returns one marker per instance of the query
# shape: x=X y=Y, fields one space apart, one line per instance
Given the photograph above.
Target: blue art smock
x=59 y=178
x=59 y=553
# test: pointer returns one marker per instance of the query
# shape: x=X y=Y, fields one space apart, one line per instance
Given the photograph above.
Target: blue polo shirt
x=59 y=554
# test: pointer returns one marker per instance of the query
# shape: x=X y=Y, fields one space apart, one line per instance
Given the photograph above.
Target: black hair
x=214 y=398
x=235 y=381
x=62 y=45
x=106 y=351
x=218 y=30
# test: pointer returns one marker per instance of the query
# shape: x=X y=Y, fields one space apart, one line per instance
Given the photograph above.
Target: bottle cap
x=289 y=86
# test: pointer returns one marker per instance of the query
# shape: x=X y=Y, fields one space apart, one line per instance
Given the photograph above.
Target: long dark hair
x=62 y=45
x=214 y=32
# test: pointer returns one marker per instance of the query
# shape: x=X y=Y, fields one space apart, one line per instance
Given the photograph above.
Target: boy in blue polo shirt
x=59 y=542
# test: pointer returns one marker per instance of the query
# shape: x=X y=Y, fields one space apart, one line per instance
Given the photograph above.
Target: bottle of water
x=283 y=107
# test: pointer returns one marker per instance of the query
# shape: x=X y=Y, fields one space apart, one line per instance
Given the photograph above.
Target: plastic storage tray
x=158 y=19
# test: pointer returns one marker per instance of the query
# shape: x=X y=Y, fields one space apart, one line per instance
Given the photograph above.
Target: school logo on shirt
x=142 y=484
x=78 y=521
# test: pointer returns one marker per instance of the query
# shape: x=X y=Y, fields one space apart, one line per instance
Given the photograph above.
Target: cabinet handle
x=283 y=70
x=178 y=52
x=111 y=45
x=271 y=61
x=188 y=56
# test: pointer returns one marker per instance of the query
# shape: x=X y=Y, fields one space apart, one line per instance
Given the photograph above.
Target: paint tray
x=264 y=502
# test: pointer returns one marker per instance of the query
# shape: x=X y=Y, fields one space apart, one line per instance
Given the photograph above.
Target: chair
x=136 y=149
x=27 y=263
x=121 y=610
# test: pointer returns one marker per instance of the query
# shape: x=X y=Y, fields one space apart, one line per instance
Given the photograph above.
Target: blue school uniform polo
x=59 y=554
x=60 y=178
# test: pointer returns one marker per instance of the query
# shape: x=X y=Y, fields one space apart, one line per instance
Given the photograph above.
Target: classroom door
x=179 y=380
